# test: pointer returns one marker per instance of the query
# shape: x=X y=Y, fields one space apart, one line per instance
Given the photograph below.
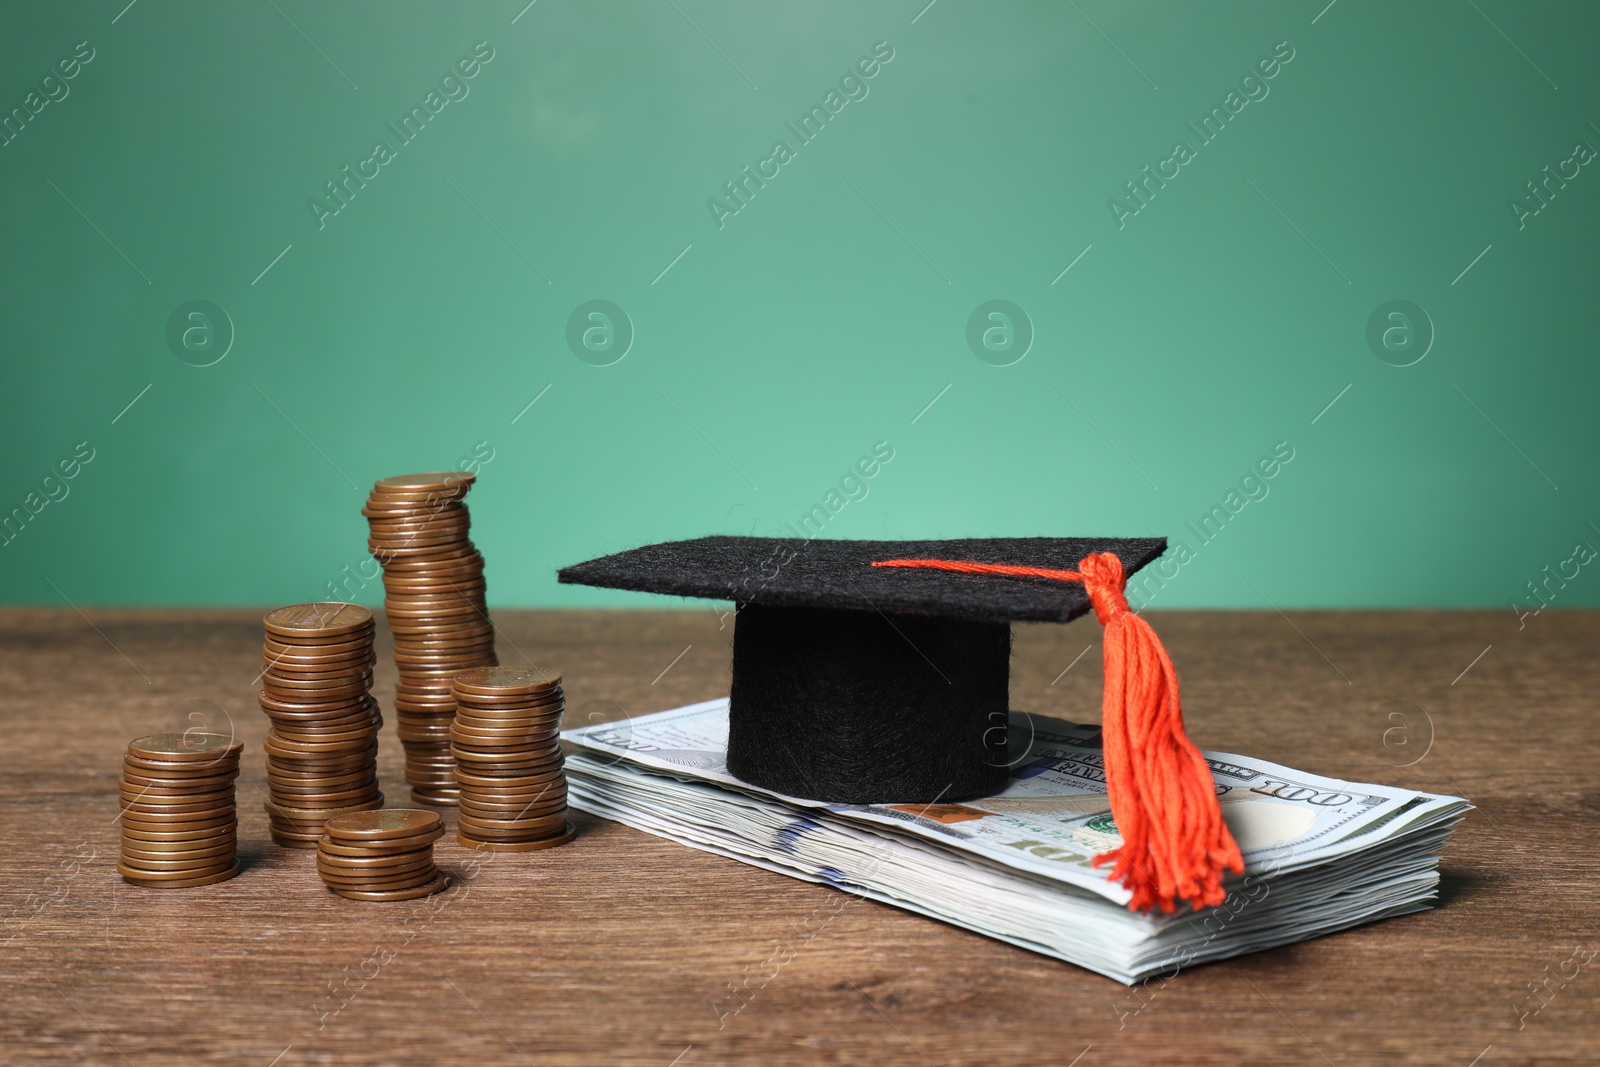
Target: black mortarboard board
x=862 y=684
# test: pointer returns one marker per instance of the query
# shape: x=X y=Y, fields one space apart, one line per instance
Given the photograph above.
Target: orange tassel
x=1175 y=845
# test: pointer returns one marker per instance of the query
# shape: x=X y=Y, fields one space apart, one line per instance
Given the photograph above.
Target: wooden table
x=621 y=948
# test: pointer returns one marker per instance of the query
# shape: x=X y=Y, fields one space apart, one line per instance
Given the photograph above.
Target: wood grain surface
x=620 y=948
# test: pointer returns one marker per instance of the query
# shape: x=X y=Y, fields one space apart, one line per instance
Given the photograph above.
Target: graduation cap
x=879 y=671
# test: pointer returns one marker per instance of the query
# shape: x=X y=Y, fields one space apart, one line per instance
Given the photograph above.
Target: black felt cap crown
x=862 y=684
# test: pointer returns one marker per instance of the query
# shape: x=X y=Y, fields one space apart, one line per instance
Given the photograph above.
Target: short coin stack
x=508 y=759
x=434 y=596
x=322 y=750
x=381 y=855
x=179 y=824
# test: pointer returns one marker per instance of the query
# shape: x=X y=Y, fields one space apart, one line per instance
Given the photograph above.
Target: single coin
x=190 y=867
x=444 y=785
x=482 y=805
x=170 y=850
x=163 y=836
x=353 y=714
x=349 y=870
x=320 y=815
x=497 y=681
x=287 y=756
x=321 y=690
x=349 y=776
x=271 y=647
x=161 y=791
x=400 y=524
x=544 y=793
x=350 y=798
x=389 y=501
x=507 y=762
x=283 y=840
x=311 y=801
x=357 y=735
x=315 y=798
x=321 y=619
x=477 y=816
x=441 y=883
x=167 y=793
x=503 y=718
x=220 y=856
x=138 y=808
x=503 y=829
x=398 y=508
x=393 y=846
x=438 y=614
x=319 y=671
x=379 y=883
x=186 y=747
x=290 y=802
x=445 y=519
x=416 y=536
x=488 y=804
x=474 y=733
x=466 y=557
x=177 y=771
x=226 y=839
x=394 y=865
x=136 y=878
x=442 y=642
x=409 y=697
x=407 y=661
x=333 y=781
x=466 y=779
x=458 y=629
x=444 y=603
x=378 y=825
x=175 y=822
x=430 y=482
x=302 y=770
x=412 y=735
x=160 y=782
x=467 y=731
x=170 y=874
x=519 y=846
x=423 y=586
x=461 y=564
x=545 y=704
x=472 y=649
x=337 y=744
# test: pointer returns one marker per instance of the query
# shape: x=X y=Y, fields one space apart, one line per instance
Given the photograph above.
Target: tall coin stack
x=179 y=824
x=508 y=759
x=322 y=750
x=434 y=597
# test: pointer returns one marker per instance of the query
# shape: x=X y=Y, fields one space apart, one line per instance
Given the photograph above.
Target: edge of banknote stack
x=1321 y=854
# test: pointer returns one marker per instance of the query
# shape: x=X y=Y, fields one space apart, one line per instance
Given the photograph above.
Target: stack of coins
x=381 y=855
x=179 y=825
x=508 y=759
x=322 y=750
x=434 y=596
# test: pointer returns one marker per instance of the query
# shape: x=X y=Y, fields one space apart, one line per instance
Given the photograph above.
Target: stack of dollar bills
x=1320 y=854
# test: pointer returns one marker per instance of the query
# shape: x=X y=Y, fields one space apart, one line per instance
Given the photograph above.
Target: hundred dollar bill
x=1053 y=818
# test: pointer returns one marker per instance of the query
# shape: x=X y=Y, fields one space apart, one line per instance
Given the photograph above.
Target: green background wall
x=1179 y=349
